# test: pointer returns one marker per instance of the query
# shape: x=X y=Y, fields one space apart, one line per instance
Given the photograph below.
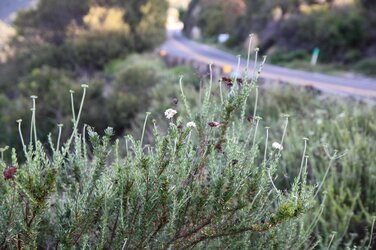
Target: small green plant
x=204 y=183
x=341 y=123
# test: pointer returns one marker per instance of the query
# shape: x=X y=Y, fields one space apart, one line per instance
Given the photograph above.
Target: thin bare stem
x=72 y=104
x=238 y=67
x=143 y=129
x=220 y=90
x=255 y=64
x=33 y=110
x=186 y=105
x=271 y=180
x=75 y=125
x=210 y=84
x=256 y=128
x=266 y=144
x=371 y=235
x=19 y=121
x=256 y=102
x=332 y=158
x=60 y=126
x=249 y=51
x=31 y=127
x=303 y=156
x=285 y=128
x=331 y=240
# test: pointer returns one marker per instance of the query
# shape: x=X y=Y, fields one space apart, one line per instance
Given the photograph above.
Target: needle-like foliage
x=204 y=183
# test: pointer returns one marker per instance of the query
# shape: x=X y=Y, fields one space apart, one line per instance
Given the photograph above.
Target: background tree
x=61 y=44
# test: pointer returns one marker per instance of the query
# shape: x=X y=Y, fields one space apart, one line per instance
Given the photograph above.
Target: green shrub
x=205 y=183
x=50 y=85
x=366 y=66
x=94 y=51
x=334 y=31
x=131 y=91
x=287 y=56
x=126 y=89
x=211 y=19
x=347 y=126
x=191 y=76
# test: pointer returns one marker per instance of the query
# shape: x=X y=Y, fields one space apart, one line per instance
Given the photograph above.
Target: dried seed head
x=218 y=147
x=214 y=124
x=175 y=101
x=9 y=172
x=250 y=118
x=227 y=81
x=239 y=81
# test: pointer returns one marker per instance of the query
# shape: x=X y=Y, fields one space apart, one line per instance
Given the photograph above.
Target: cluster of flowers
x=170 y=113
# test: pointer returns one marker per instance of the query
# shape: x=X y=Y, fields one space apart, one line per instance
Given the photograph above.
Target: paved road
x=9 y=7
x=180 y=46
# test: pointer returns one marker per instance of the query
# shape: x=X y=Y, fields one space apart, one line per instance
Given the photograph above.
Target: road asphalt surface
x=179 y=46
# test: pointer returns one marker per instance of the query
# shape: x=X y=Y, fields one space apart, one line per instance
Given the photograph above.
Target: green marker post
x=315 y=56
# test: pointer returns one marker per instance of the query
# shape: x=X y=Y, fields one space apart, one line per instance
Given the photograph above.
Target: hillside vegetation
x=194 y=187
x=289 y=30
x=102 y=146
x=62 y=44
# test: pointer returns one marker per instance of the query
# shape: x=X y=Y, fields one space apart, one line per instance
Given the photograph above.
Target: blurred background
x=49 y=46
x=289 y=30
x=119 y=48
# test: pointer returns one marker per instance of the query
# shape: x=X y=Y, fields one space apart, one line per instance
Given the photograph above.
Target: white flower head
x=169 y=113
x=191 y=125
x=277 y=145
x=342 y=115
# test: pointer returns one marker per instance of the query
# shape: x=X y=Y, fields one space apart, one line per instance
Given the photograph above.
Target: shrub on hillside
x=334 y=31
x=105 y=36
x=347 y=126
x=154 y=86
x=204 y=183
x=80 y=36
x=50 y=86
x=132 y=90
x=366 y=66
x=286 y=56
x=126 y=89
